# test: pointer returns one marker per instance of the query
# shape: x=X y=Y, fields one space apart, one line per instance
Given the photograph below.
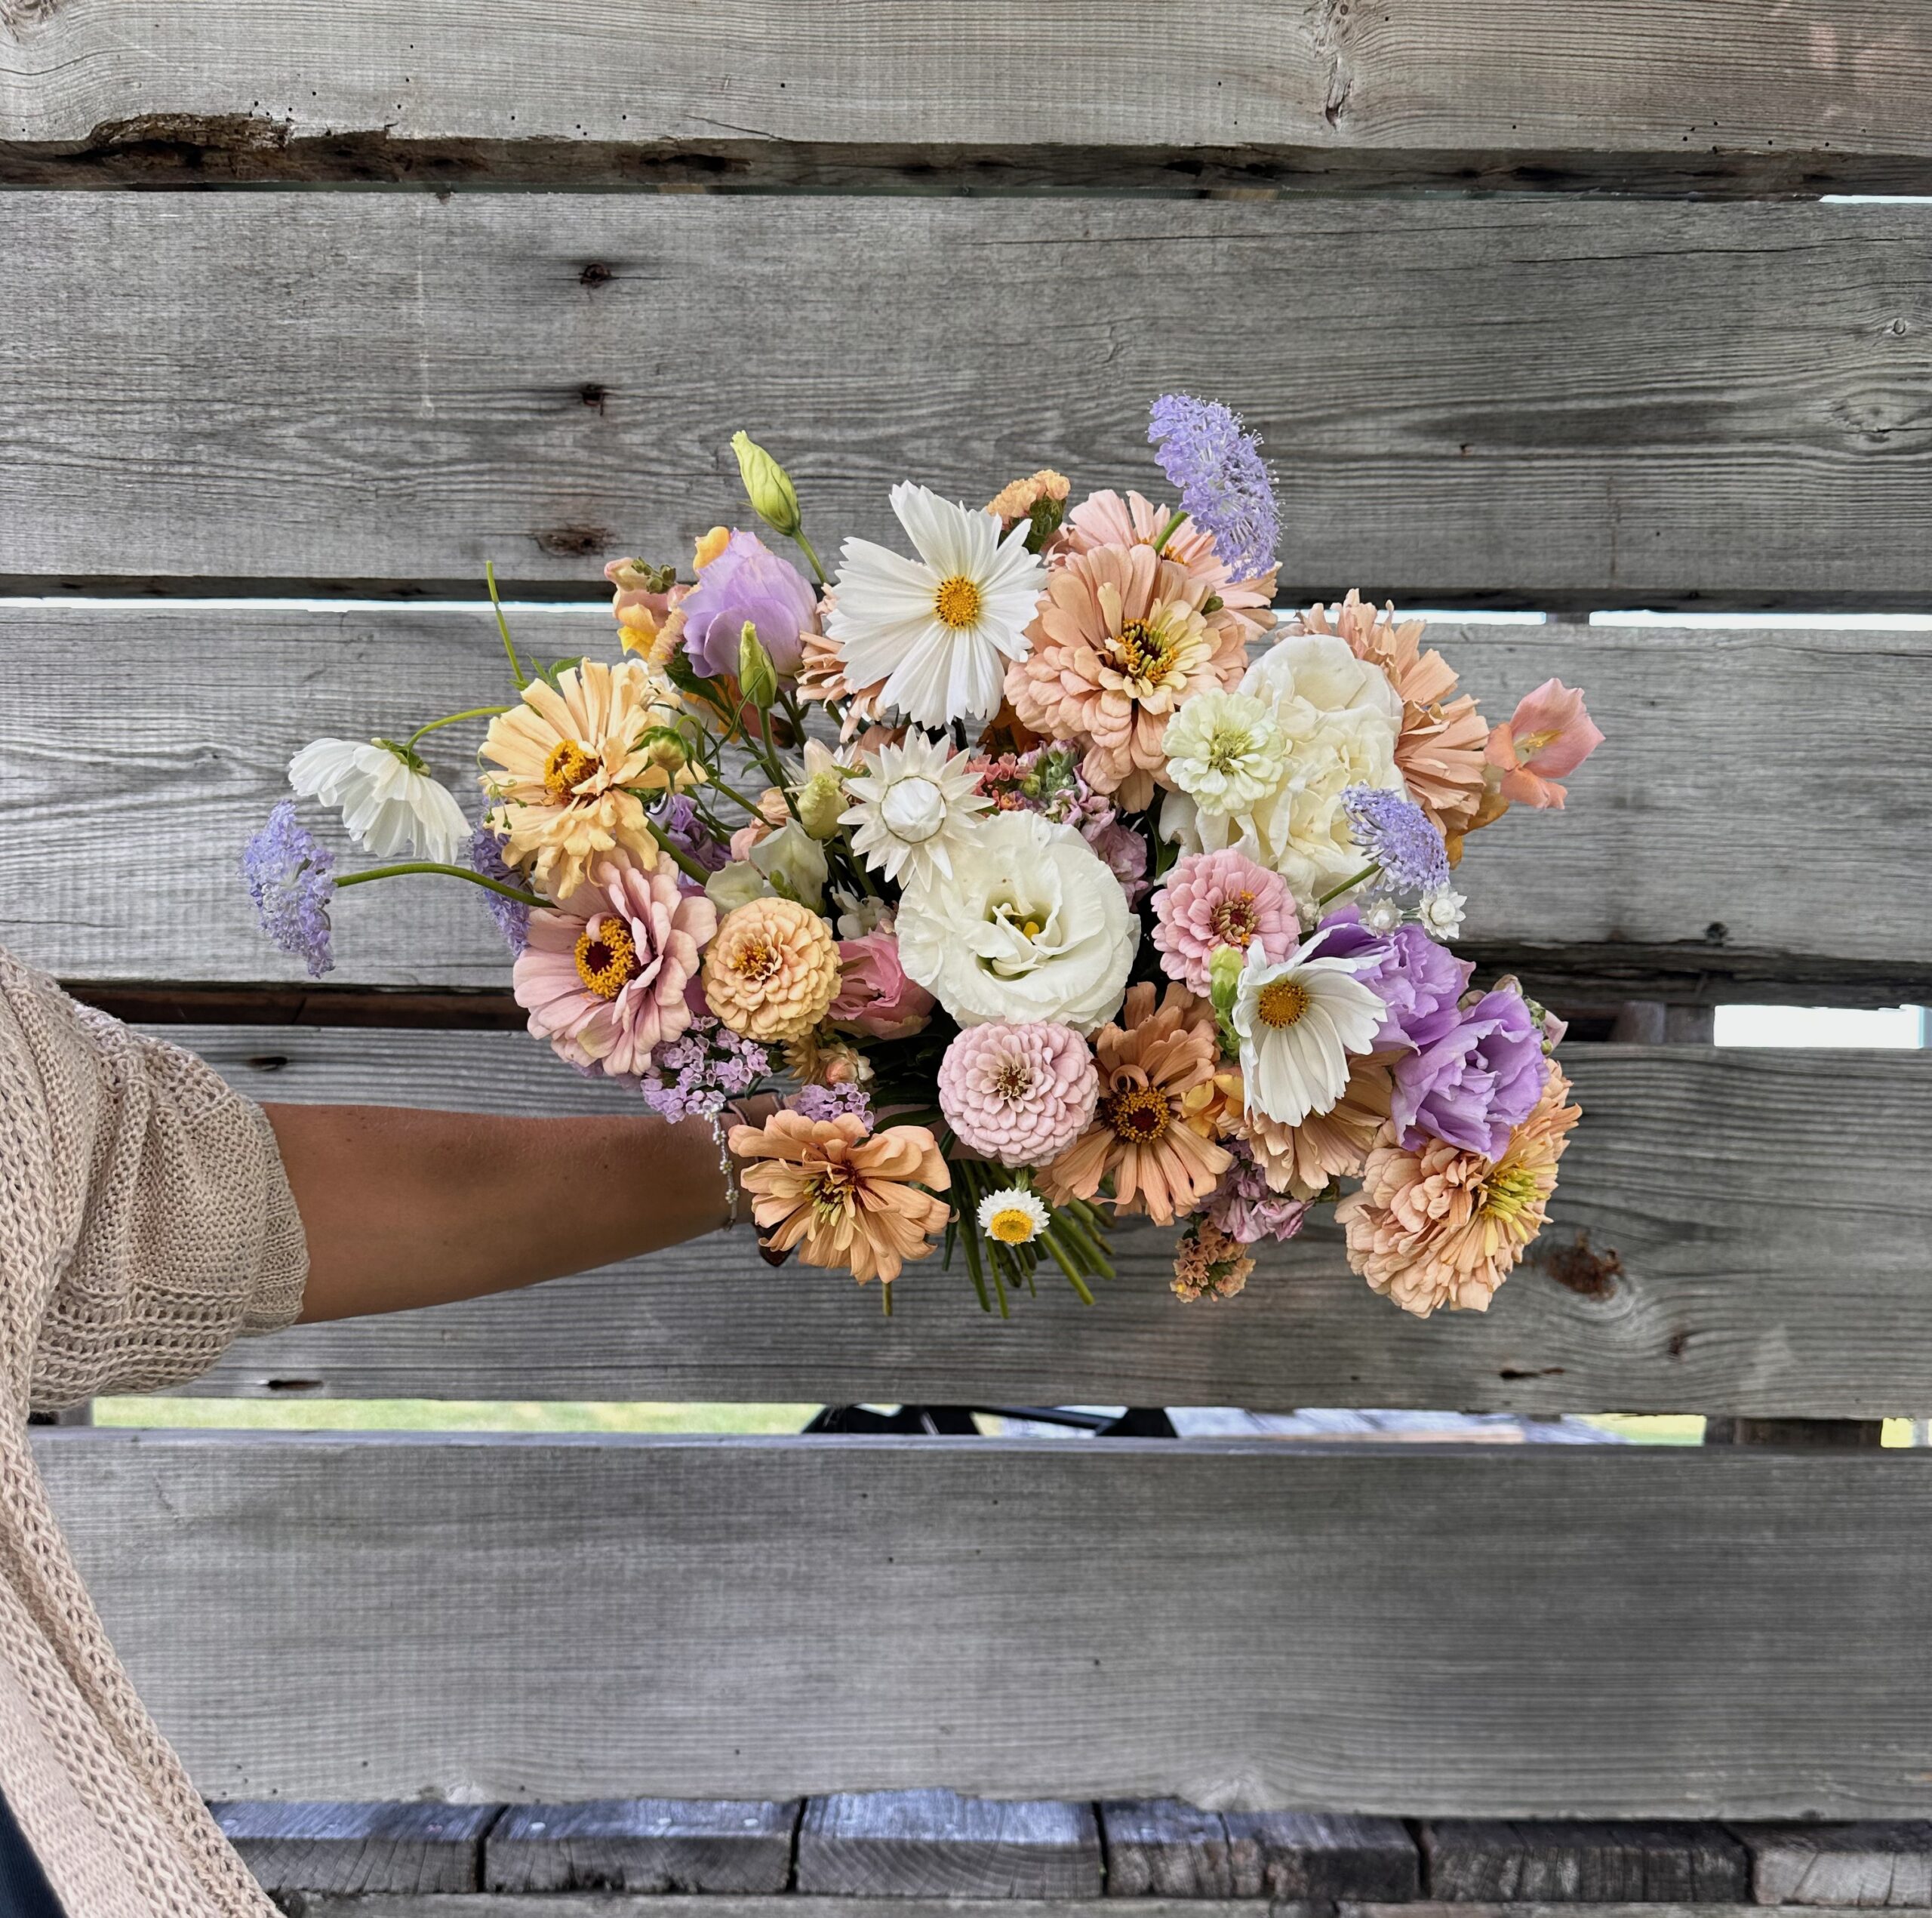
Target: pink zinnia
x=875 y=996
x=1019 y=1094
x=603 y=976
x=1549 y=735
x=1106 y=518
x=1215 y=899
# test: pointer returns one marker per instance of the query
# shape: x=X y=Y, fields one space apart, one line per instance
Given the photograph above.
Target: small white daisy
x=386 y=796
x=1442 y=913
x=938 y=630
x=1014 y=1217
x=911 y=804
x=1298 y=1020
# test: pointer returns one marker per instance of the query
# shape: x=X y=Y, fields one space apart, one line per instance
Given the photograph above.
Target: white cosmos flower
x=1028 y=925
x=939 y=629
x=912 y=805
x=1298 y=1020
x=1013 y=1216
x=386 y=796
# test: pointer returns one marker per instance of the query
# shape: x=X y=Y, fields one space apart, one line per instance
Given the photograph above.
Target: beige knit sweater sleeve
x=148 y=1201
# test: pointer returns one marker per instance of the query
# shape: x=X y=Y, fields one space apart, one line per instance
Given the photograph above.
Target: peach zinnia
x=772 y=972
x=1302 y=1160
x=1106 y=518
x=1119 y=642
x=1445 y=1227
x=843 y=1196
x=1149 y=1064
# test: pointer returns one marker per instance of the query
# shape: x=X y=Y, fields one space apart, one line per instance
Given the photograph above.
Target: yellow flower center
x=1228 y=745
x=1011 y=1225
x=607 y=959
x=569 y=763
x=1234 y=920
x=756 y=961
x=1144 y=652
x=956 y=601
x=1508 y=1192
x=1530 y=744
x=834 y=1191
x=1282 y=1003
x=1138 y=1114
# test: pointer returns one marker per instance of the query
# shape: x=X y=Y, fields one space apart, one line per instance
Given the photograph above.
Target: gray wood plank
x=1311 y=1857
x=937 y=1844
x=1484 y=1861
x=1787 y=96
x=359 y=1847
x=1661 y=869
x=398 y=386
x=1249 y=1625
x=653 y=1845
x=1159 y=1848
x=620 y=1906
x=1862 y=1864
x=1710 y=1291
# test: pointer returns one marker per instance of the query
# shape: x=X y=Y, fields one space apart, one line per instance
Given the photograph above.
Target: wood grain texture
x=1425 y=89
x=654 y=1844
x=1718 y=1288
x=1468 y=399
x=1862 y=1864
x=1540 y=1631
x=617 y=1905
x=1681 y=865
x=358 y=1848
x=936 y=1844
x=1161 y=1848
x=1489 y=1861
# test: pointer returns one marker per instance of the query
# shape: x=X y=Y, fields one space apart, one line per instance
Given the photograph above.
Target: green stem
x=1066 y=1264
x=1171 y=529
x=503 y=625
x=684 y=863
x=805 y=546
x=1368 y=872
x=772 y=764
x=455 y=719
x=448 y=872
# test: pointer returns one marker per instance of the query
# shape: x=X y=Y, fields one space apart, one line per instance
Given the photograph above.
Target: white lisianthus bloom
x=912 y=805
x=1298 y=1020
x=1012 y=1216
x=939 y=629
x=1028 y=925
x=1225 y=750
x=1339 y=717
x=386 y=796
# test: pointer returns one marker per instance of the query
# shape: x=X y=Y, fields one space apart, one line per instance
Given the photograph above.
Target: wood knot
x=596 y=274
x=574 y=542
x=1579 y=1268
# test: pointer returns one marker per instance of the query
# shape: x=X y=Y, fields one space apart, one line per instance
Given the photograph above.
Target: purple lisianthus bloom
x=677 y=820
x=1475 y=1081
x=747 y=581
x=291 y=879
x=1418 y=980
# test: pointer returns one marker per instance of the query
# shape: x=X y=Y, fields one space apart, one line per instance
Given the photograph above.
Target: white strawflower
x=939 y=629
x=1382 y=916
x=386 y=796
x=1029 y=925
x=912 y=805
x=1225 y=748
x=1013 y=1216
x=1298 y=1020
x=1442 y=913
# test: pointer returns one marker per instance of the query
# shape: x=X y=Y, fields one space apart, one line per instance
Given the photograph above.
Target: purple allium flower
x=701 y=1072
x=1475 y=1081
x=1419 y=981
x=747 y=581
x=1223 y=480
x=1244 y=1209
x=512 y=916
x=833 y=1102
x=677 y=820
x=291 y=879
x=1394 y=832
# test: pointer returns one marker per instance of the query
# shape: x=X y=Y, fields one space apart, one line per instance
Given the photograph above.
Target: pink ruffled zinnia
x=1548 y=735
x=1215 y=899
x=1106 y=518
x=603 y=976
x=1020 y=1094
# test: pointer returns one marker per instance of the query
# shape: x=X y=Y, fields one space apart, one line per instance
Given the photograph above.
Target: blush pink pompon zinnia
x=1215 y=899
x=604 y=977
x=1019 y=1094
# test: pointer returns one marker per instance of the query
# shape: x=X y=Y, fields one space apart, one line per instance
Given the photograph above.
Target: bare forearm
x=407 y=1208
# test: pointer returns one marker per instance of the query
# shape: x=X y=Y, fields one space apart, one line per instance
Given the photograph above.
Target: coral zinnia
x=1106 y=518
x=1445 y=1227
x=1119 y=642
x=1439 y=750
x=1302 y=1160
x=842 y=1196
x=604 y=977
x=574 y=756
x=1148 y=1064
x=772 y=972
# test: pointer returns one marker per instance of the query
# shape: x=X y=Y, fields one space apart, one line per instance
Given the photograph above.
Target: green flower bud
x=1224 y=972
x=821 y=799
x=757 y=675
x=767 y=485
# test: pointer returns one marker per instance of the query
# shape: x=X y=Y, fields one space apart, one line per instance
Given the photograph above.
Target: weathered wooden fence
x=981 y=238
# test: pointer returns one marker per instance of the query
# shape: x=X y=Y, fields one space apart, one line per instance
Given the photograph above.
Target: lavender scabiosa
x=512 y=916
x=1224 y=482
x=699 y=1073
x=1395 y=833
x=291 y=879
x=817 y=1102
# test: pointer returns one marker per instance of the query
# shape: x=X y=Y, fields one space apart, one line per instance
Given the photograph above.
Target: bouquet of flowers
x=1044 y=873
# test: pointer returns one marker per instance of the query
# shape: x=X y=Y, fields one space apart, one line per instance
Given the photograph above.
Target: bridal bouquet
x=1043 y=870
